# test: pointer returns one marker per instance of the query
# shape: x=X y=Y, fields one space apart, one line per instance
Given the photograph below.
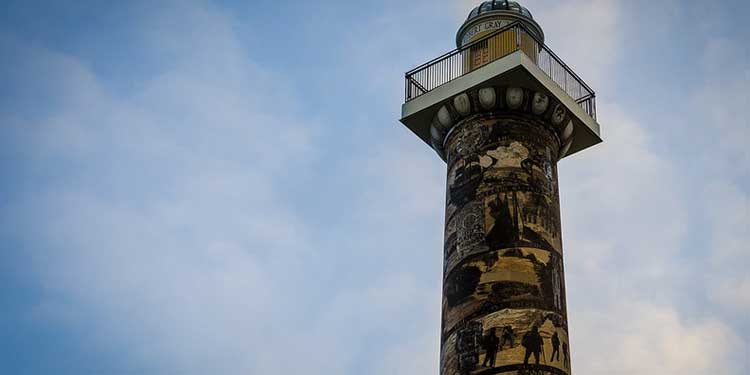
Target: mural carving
x=504 y=306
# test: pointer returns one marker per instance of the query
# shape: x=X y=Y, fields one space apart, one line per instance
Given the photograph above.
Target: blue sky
x=196 y=187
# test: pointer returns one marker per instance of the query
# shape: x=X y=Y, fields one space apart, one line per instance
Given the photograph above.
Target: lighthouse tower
x=501 y=110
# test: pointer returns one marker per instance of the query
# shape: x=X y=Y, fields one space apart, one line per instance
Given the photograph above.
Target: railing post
x=593 y=106
x=406 y=86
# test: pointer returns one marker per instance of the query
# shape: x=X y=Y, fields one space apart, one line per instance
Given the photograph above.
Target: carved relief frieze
x=504 y=289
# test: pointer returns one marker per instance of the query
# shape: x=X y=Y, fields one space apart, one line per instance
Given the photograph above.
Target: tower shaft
x=504 y=292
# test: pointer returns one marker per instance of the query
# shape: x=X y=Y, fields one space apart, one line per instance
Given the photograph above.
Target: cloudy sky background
x=196 y=187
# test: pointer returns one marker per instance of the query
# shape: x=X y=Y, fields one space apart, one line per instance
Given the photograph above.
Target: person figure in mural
x=565 y=354
x=489 y=344
x=555 y=347
x=507 y=336
x=533 y=343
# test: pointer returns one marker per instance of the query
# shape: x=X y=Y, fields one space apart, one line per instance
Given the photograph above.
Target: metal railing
x=494 y=46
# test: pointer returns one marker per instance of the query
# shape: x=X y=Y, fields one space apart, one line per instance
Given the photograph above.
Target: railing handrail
x=561 y=62
x=445 y=75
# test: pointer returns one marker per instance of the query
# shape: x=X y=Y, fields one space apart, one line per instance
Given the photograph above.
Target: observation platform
x=511 y=56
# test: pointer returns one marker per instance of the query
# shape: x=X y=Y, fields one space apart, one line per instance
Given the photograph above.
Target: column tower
x=501 y=110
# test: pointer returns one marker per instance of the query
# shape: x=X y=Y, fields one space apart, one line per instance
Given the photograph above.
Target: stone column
x=504 y=291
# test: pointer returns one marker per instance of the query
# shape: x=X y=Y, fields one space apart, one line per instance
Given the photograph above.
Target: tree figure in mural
x=565 y=354
x=507 y=336
x=533 y=343
x=489 y=344
x=555 y=347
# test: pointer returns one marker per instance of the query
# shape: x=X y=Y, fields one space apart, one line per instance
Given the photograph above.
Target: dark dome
x=489 y=6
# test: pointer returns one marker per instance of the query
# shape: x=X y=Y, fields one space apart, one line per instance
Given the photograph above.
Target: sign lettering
x=469 y=34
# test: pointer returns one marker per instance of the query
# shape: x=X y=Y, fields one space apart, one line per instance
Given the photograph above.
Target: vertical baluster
x=429 y=77
x=422 y=76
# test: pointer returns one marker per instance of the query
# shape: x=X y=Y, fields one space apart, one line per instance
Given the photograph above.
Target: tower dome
x=489 y=6
x=493 y=15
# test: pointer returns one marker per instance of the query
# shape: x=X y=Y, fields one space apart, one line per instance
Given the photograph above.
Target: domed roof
x=489 y=6
x=501 y=11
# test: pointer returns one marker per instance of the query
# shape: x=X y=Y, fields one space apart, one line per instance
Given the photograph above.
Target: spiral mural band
x=504 y=306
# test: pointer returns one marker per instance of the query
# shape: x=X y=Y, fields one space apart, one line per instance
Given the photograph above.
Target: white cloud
x=728 y=212
x=625 y=225
x=633 y=337
x=734 y=293
x=724 y=192
x=412 y=177
x=622 y=209
x=414 y=356
x=721 y=102
x=728 y=208
x=167 y=228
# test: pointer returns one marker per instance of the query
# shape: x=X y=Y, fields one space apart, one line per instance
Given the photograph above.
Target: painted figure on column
x=555 y=347
x=533 y=343
x=507 y=337
x=490 y=344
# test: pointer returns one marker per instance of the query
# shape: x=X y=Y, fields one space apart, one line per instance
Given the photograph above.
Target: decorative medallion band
x=501 y=99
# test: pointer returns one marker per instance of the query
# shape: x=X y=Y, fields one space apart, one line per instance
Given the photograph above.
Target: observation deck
x=513 y=55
